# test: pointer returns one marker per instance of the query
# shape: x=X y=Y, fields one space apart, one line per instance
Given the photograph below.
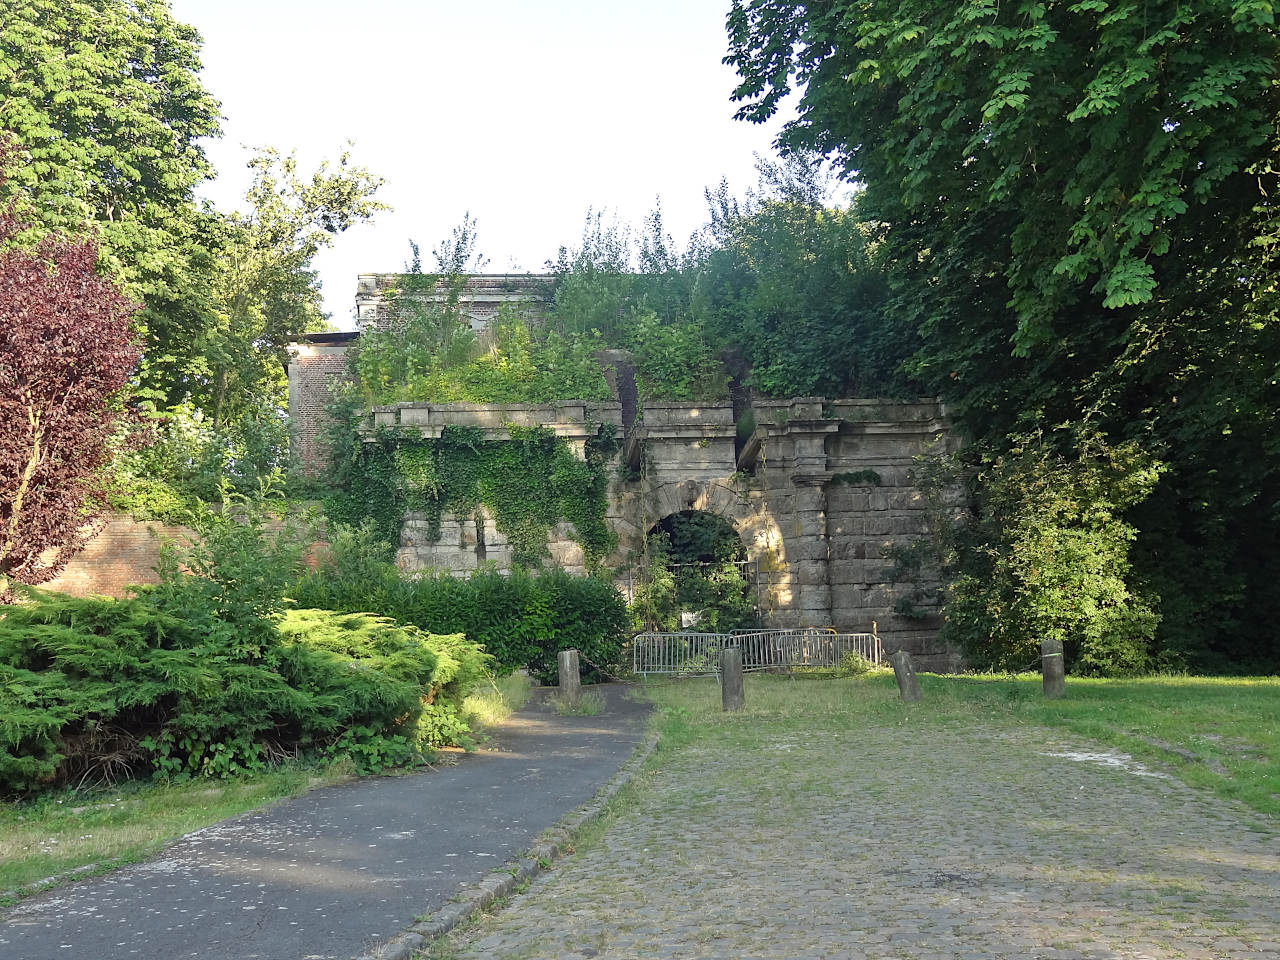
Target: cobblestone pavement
x=934 y=844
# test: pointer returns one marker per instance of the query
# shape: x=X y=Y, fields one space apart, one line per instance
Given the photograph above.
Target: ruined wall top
x=481 y=295
x=573 y=419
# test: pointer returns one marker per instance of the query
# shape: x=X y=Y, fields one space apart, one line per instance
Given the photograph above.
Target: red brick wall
x=312 y=376
x=125 y=552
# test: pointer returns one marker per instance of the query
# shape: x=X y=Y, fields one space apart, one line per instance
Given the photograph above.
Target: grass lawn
x=104 y=828
x=60 y=832
x=1219 y=734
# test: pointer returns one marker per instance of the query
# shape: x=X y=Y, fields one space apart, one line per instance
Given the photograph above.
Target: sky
x=525 y=115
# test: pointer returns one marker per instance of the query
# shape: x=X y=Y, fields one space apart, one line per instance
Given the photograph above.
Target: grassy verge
x=1218 y=734
x=98 y=830
x=496 y=700
x=588 y=703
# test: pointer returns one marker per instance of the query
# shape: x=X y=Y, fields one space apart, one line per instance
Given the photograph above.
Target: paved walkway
x=922 y=844
x=331 y=873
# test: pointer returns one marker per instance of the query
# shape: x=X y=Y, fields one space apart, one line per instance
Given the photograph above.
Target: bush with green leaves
x=183 y=462
x=95 y=690
x=521 y=619
x=433 y=354
x=205 y=674
x=372 y=678
x=1046 y=556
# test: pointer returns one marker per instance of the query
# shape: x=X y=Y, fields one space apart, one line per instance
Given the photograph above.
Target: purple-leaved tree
x=66 y=354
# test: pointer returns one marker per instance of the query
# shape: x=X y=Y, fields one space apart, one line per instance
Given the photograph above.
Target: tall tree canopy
x=265 y=291
x=103 y=103
x=1102 y=121
x=1080 y=222
x=104 y=99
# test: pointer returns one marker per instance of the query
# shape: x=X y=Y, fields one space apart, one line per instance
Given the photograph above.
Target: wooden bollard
x=1053 y=670
x=733 y=695
x=568 y=675
x=908 y=685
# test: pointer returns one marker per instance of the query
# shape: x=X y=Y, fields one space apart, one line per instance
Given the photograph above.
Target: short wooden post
x=568 y=675
x=908 y=685
x=1052 y=669
x=733 y=695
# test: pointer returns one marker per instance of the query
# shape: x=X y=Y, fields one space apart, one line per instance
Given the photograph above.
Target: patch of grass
x=1217 y=733
x=60 y=832
x=496 y=699
x=589 y=703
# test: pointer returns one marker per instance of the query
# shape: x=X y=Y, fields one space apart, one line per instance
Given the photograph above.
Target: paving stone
x=948 y=843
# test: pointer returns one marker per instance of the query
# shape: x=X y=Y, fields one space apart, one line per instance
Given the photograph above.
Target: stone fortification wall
x=466 y=542
x=819 y=494
x=480 y=297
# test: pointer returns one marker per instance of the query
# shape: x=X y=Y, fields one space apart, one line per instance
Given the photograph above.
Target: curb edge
x=548 y=847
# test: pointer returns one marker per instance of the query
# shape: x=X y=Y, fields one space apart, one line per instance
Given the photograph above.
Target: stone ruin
x=819 y=493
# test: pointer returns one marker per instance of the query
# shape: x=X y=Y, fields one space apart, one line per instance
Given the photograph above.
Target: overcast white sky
x=525 y=114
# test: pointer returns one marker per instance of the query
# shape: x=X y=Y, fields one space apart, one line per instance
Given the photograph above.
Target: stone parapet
x=575 y=420
x=683 y=441
x=479 y=296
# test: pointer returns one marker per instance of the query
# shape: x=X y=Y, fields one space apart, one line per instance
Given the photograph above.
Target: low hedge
x=522 y=619
x=95 y=690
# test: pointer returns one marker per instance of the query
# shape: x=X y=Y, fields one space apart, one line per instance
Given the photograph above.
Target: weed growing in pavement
x=589 y=703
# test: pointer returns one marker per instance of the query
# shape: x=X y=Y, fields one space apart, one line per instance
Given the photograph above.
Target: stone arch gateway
x=818 y=494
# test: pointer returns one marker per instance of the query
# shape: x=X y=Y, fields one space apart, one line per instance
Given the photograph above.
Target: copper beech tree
x=66 y=353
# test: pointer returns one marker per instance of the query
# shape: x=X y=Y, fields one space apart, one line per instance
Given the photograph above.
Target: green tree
x=1104 y=121
x=104 y=102
x=791 y=281
x=1047 y=556
x=264 y=290
x=1078 y=220
x=781 y=289
x=104 y=99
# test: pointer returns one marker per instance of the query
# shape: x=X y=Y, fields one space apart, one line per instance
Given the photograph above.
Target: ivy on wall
x=526 y=484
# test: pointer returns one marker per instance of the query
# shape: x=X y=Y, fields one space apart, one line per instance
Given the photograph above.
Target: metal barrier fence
x=698 y=654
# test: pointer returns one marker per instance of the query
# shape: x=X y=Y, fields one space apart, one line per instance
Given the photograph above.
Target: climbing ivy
x=527 y=484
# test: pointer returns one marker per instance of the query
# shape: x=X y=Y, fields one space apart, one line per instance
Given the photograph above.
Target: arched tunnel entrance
x=695 y=575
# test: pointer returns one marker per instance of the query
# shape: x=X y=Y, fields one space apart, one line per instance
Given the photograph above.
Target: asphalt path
x=329 y=874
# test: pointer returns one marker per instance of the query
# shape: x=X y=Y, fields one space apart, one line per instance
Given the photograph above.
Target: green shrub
x=854 y=664
x=521 y=619
x=433 y=353
x=1046 y=555
x=95 y=690
x=368 y=673
x=84 y=678
x=674 y=361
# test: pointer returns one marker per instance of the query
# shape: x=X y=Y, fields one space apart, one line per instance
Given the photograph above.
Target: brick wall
x=125 y=552
x=314 y=370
